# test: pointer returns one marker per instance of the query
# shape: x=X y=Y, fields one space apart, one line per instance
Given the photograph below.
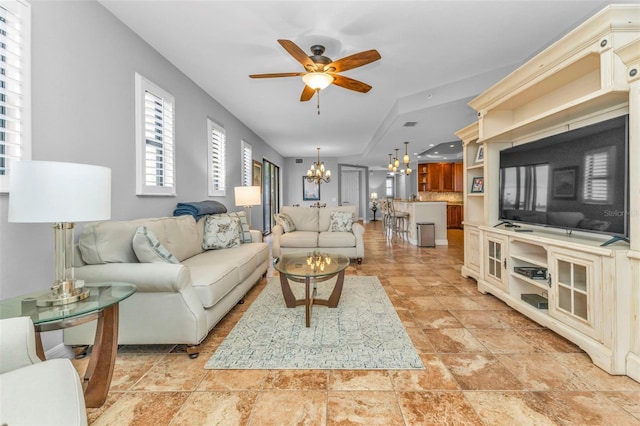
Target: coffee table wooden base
x=310 y=293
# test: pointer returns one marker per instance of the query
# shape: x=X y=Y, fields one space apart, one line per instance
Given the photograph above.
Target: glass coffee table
x=310 y=269
x=101 y=305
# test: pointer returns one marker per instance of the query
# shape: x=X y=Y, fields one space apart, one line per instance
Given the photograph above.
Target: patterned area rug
x=363 y=332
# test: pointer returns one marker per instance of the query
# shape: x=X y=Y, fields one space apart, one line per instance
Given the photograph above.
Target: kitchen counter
x=425 y=212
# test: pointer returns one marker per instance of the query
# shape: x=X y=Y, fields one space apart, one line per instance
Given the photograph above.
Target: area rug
x=363 y=332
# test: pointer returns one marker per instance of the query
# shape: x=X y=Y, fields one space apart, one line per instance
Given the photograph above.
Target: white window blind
x=597 y=176
x=247 y=166
x=216 y=147
x=155 y=139
x=15 y=141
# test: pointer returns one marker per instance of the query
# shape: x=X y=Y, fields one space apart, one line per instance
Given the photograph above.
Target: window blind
x=158 y=141
x=597 y=177
x=14 y=40
x=217 y=172
x=247 y=166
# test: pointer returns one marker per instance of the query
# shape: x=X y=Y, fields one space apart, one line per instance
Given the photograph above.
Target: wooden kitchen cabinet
x=423 y=183
x=444 y=177
x=454 y=216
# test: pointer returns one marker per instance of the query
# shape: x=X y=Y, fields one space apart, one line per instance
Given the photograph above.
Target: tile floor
x=485 y=364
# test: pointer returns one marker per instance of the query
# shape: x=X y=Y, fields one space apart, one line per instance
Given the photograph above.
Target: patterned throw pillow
x=285 y=221
x=148 y=249
x=245 y=235
x=221 y=231
x=341 y=221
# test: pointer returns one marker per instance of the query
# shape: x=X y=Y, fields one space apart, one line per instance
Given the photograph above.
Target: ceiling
x=436 y=56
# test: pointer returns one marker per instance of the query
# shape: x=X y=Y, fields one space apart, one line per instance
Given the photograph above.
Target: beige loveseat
x=174 y=303
x=312 y=233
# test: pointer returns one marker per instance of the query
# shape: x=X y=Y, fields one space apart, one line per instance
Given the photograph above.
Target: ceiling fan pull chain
x=318 y=90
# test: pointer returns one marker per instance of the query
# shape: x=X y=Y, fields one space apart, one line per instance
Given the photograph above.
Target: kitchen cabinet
x=442 y=177
x=454 y=216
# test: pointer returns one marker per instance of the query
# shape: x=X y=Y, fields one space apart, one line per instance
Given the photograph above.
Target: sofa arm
x=276 y=233
x=358 y=232
x=256 y=236
x=17 y=344
x=147 y=277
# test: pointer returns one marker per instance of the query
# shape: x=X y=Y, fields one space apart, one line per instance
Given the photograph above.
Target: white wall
x=84 y=61
x=292 y=181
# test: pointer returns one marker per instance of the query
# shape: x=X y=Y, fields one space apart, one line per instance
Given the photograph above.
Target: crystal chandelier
x=317 y=172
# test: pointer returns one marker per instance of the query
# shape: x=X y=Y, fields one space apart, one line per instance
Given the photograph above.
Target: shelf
x=475 y=166
x=541 y=284
x=476 y=194
x=534 y=259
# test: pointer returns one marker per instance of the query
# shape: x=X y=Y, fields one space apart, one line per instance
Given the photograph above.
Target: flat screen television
x=576 y=180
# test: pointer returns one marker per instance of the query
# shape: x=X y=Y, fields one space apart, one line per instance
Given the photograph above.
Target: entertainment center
x=560 y=142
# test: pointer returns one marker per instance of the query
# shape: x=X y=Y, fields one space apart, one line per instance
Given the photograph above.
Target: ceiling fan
x=322 y=71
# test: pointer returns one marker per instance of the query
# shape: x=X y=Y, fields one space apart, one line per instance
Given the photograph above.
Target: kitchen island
x=425 y=212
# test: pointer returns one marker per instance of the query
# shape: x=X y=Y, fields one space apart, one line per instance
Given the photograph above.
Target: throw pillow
x=341 y=222
x=221 y=231
x=148 y=249
x=285 y=221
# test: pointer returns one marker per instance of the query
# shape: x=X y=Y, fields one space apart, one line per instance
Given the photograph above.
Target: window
x=598 y=176
x=15 y=111
x=155 y=146
x=216 y=147
x=389 y=191
x=247 y=165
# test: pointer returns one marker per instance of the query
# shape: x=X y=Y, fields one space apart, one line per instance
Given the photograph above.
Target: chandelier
x=394 y=164
x=317 y=172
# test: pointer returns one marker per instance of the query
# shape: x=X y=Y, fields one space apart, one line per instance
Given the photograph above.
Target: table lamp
x=60 y=193
x=247 y=196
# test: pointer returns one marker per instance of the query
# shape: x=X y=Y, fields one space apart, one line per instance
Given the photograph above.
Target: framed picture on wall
x=310 y=190
x=257 y=174
x=564 y=183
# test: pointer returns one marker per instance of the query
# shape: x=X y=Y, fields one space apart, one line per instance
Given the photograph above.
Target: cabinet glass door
x=495 y=264
x=572 y=289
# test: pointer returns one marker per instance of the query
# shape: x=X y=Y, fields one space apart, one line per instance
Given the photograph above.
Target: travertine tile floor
x=485 y=365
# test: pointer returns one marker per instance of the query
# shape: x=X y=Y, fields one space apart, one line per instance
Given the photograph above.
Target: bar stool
x=398 y=222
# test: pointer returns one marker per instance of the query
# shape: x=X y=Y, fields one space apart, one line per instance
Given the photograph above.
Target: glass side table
x=101 y=305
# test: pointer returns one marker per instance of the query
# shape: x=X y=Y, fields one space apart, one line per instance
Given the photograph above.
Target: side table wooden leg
x=39 y=348
x=97 y=378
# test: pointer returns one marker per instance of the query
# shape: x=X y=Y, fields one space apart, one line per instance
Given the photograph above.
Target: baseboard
x=59 y=351
x=633 y=366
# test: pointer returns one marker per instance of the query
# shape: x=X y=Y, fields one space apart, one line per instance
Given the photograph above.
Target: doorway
x=270 y=194
x=353 y=187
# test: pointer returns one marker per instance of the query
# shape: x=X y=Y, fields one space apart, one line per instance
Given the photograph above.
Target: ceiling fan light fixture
x=317 y=80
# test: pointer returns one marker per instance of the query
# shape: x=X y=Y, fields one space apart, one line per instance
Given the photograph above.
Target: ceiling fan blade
x=307 y=93
x=350 y=83
x=297 y=53
x=353 y=61
x=279 y=74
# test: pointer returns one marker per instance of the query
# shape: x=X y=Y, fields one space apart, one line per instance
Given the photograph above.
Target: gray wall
x=83 y=65
x=292 y=181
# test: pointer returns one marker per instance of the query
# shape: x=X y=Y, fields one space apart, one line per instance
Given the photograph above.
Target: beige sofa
x=174 y=303
x=312 y=233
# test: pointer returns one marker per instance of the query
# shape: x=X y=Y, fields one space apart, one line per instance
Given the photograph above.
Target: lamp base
x=63 y=294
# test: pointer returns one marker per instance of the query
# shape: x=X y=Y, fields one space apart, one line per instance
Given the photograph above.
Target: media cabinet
x=590 y=294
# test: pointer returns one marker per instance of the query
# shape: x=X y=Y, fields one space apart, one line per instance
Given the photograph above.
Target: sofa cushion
x=299 y=239
x=285 y=221
x=221 y=231
x=111 y=241
x=148 y=249
x=324 y=215
x=212 y=275
x=304 y=218
x=340 y=221
x=336 y=239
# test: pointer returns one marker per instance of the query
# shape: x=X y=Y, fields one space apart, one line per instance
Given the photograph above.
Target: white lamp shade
x=248 y=195
x=52 y=192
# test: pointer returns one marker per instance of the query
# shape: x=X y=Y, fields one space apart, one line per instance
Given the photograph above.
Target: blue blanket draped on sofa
x=197 y=209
